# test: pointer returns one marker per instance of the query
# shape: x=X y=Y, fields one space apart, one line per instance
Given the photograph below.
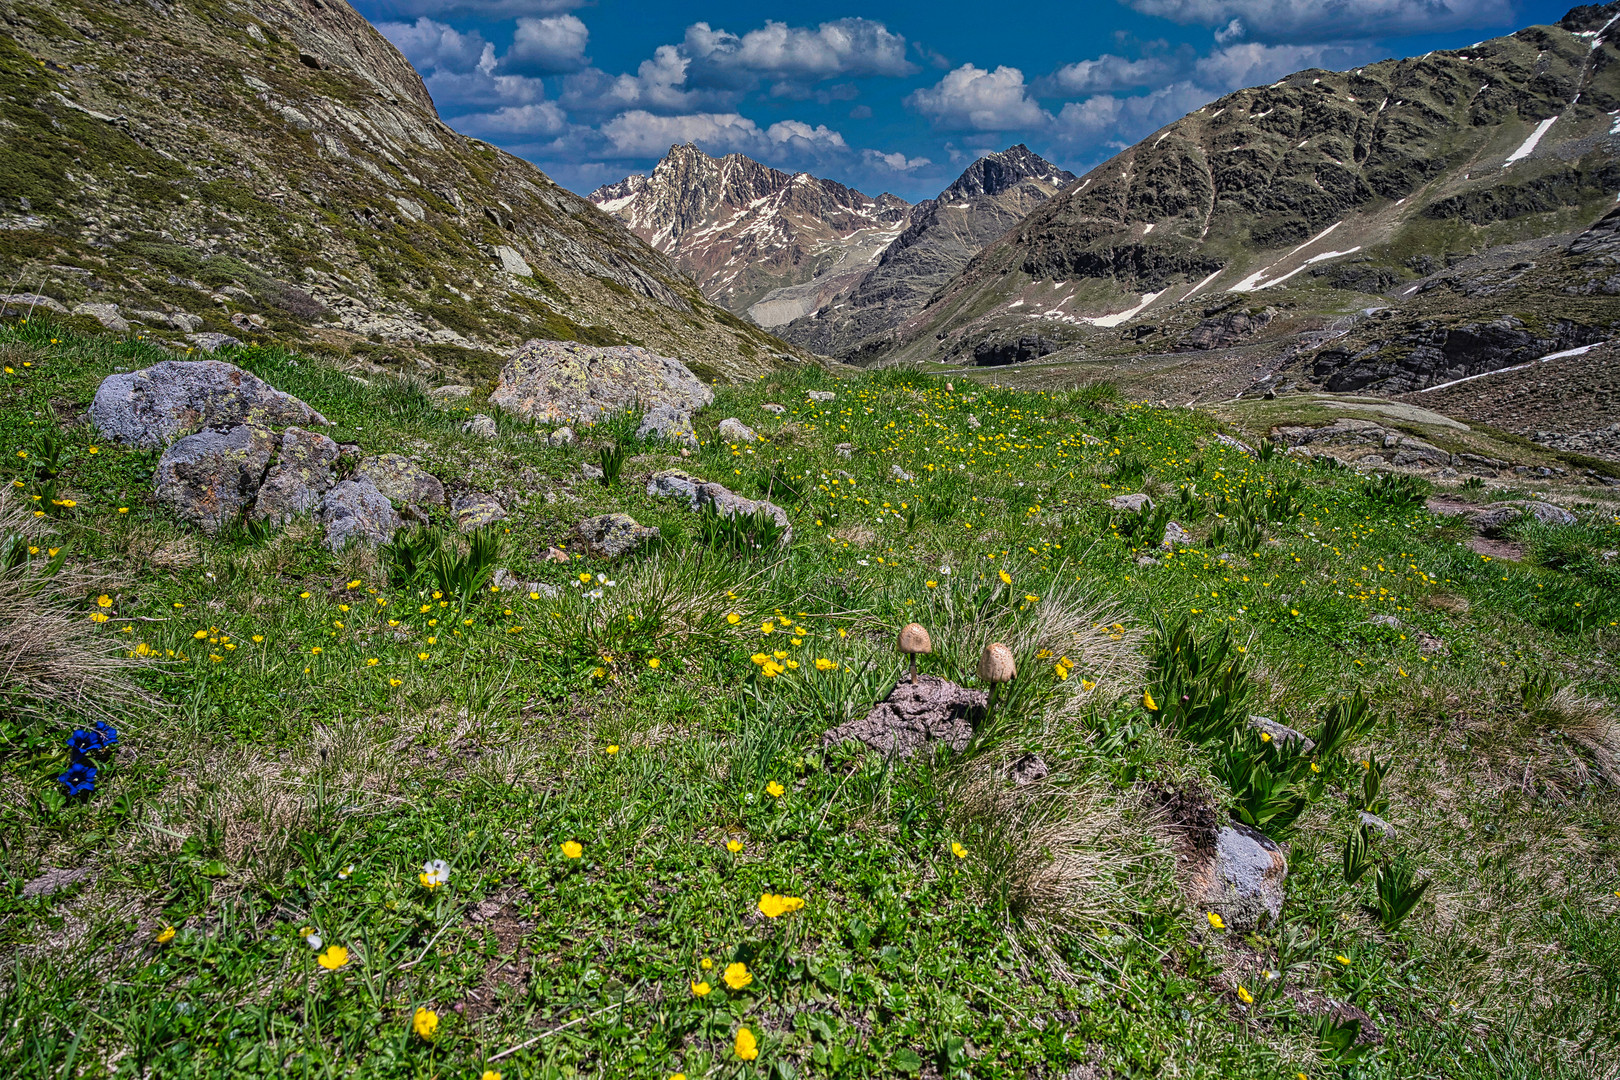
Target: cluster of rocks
x=1387 y=447
x=223 y=457
x=1601 y=442
x=675 y=484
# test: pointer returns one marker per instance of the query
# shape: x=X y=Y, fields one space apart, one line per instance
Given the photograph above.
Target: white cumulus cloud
x=894 y=162
x=844 y=47
x=430 y=45
x=1331 y=20
x=1110 y=72
x=975 y=99
x=548 y=45
x=536 y=118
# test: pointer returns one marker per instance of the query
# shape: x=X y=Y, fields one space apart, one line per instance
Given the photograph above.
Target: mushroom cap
x=914 y=639
x=996 y=664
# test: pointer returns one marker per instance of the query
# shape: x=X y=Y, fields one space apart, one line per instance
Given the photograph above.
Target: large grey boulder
x=668 y=422
x=210 y=477
x=1242 y=879
x=1497 y=516
x=356 y=512
x=913 y=716
x=401 y=480
x=672 y=483
x=565 y=380
x=612 y=535
x=156 y=405
x=303 y=472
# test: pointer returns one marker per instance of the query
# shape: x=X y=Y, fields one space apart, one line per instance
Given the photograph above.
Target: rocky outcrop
x=210 y=478
x=1431 y=353
x=672 y=483
x=612 y=535
x=559 y=380
x=997 y=352
x=1222 y=331
x=154 y=406
x=474 y=511
x=913 y=717
x=734 y=430
x=302 y=474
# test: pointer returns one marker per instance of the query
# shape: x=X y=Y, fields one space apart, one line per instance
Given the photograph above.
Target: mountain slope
x=196 y=161
x=941 y=236
x=743 y=229
x=1321 y=194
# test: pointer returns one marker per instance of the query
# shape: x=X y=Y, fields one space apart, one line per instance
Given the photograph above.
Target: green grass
x=324 y=734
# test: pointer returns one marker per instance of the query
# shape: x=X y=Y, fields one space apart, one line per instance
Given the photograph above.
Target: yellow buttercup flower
x=767 y=627
x=1245 y=997
x=1216 y=921
x=958 y=850
x=333 y=958
x=165 y=935
x=734 y=846
x=1148 y=702
x=773 y=906
x=701 y=989
x=746 y=1049
x=425 y=1023
x=737 y=975
x=733 y=618
x=572 y=849
x=774 y=790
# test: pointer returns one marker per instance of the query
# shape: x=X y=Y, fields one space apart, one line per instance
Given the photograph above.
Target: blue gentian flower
x=84 y=742
x=108 y=733
x=80 y=779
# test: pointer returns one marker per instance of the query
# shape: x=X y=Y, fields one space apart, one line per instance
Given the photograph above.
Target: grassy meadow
x=362 y=817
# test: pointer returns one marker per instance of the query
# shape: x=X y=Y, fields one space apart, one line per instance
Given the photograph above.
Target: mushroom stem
x=990 y=705
x=913 y=669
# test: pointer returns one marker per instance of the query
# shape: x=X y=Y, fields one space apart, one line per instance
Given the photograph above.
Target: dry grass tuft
x=1049 y=855
x=51 y=655
x=1590 y=722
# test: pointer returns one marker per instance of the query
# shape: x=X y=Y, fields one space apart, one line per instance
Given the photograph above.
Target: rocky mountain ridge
x=1441 y=192
x=941 y=235
x=742 y=229
x=277 y=169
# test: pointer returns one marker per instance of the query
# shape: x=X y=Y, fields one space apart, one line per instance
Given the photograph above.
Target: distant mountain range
x=821 y=264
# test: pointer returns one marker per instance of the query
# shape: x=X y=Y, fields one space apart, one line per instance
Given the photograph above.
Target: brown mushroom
x=913 y=640
x=996 y=666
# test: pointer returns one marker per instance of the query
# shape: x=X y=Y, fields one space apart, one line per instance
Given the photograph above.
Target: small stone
x=445 y=395
x=355 y=511
x=504 y=581
x=820 y=395
x=973 y=422
x=773 y=408
x=211 y=341
x=592 y=472
x=1377 y=824
x=1235 y=444
x=1028 y=770
x=612 y=535
x=1132 y=504
x=481 y=426
x=1384 y=620
x=900 y=474
x=473 y=511
x=734 y=430
x=845 y=449
x=1282 y=734
x=54 y=881
x=556 y=555
x=1175 y=536
x=563 y=436
x=1146 y=560
x=1242 y=880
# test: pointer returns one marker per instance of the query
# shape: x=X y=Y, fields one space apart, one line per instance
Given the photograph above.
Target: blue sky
x=882 y=95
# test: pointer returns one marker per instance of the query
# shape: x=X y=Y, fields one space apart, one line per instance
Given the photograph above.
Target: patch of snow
x=1199 y=287
x=613 y=206
x=1121 y=317
x=1529 y=144
x=1149 y=227
x=1516 y=367
x=1326 y=255
x=1280 y=280
x=1317 y=237
x=1015 y=304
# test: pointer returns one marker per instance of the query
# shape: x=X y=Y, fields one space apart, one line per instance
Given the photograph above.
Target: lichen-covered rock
x=302 y=474
x=773 y=408
x=564 y=380
x=480 y=425
x=449 y=395
x=563 y=436
x=612 y=535
x=402 y=480
x=474 y=511
x=210 y=477
x=672 y=483
x=212 y=341
x=1282 y=734
x=107 y=315
x=914 y=715
x=1242 y=879
x=820 y=395
x=1175 y=536
x=668 y=422
x=734 y=430
x=157 y=405
x=356 y=512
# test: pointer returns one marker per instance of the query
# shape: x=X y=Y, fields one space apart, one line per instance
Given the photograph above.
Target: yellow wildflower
x=333 y=958
x=746 y=1049
x=774 y=790
x=572 y=849
x=737 y=976
x=425 y=1023
x=701 y=989
x=1216 y=921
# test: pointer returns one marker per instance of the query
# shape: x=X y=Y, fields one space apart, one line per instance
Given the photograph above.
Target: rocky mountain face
x=742 y=229
x=941 y=236
x=275 y=170
x=1383 y=229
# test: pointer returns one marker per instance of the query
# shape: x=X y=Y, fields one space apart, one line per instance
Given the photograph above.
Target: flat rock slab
x=54 y=881
x=914 y=716
x=157 y=405
x=474 y=511
x=565 y=380
x=401 y=480
x=612 y=535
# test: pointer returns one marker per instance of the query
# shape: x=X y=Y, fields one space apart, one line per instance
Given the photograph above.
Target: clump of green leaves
x=1397 y=491
x=739 y=534
x=1398 y=893
x=611 y=458
x=1202 y=685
